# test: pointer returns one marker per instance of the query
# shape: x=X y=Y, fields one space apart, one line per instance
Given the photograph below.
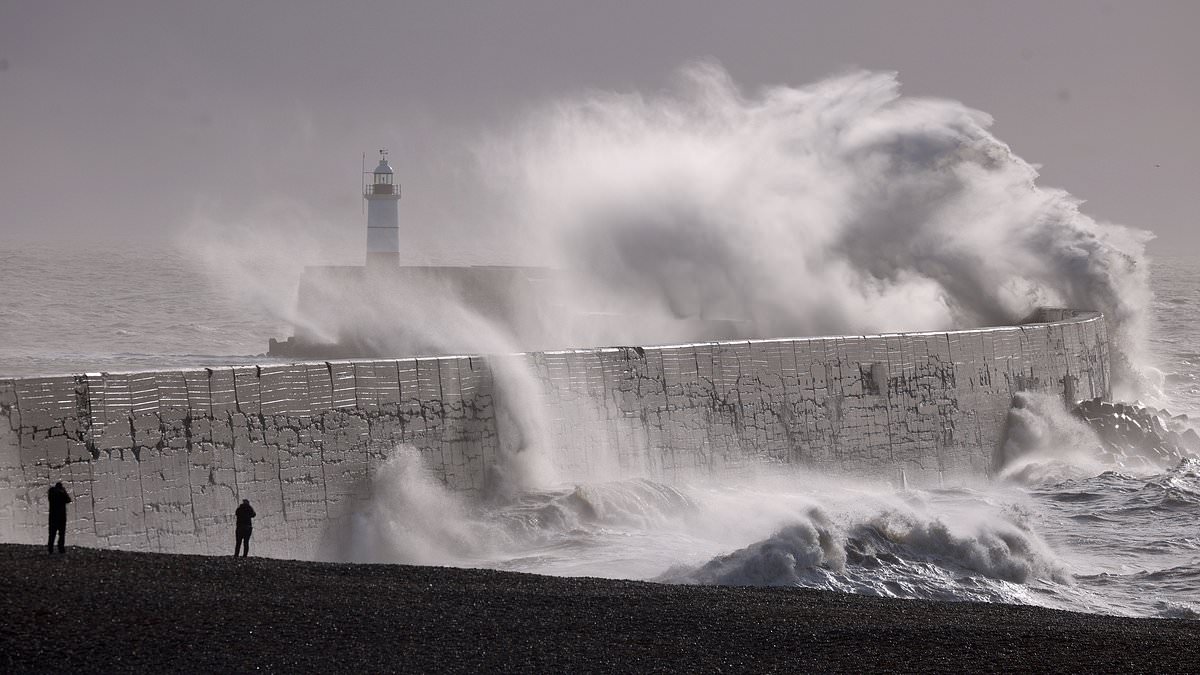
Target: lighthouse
x=383 y=215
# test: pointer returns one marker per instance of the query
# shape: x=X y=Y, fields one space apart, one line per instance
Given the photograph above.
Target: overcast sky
x=124 y=120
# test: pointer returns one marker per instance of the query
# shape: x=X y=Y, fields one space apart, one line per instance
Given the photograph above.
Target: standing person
x=58 y=517
x=245 y=525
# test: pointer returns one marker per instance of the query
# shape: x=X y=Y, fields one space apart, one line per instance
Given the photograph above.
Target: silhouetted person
x=245 y=525
x=58 y=517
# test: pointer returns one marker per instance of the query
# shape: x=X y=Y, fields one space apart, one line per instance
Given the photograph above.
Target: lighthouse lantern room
x=383 y=218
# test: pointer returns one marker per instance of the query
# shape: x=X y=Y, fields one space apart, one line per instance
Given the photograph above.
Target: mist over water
x=836 y=207
x=839 y=207
x=1081 y=534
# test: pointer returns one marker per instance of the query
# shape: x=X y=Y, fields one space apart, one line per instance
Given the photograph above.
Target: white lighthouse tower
x=383 y=215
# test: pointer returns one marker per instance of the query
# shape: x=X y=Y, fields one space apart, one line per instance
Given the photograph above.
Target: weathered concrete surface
x=159 y=460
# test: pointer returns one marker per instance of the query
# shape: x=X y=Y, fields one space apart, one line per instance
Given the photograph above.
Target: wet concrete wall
x=159 y=460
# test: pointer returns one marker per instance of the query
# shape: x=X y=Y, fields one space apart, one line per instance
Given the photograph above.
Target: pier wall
x=159 y=460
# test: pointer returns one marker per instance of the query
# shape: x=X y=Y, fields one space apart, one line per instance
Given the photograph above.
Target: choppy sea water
x=118 y=309
x=1075 y=534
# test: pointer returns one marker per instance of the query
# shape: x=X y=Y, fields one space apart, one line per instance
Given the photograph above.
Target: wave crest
x=895 y=552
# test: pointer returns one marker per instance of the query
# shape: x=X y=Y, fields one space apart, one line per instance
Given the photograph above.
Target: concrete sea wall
x=159 y=460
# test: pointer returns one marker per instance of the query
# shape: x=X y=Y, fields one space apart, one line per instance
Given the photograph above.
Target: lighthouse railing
x=381 y=190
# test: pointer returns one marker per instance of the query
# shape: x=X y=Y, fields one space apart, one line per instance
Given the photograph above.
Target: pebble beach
x=110 y=611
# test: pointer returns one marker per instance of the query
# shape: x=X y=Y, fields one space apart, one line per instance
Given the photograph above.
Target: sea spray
x=1044 y=441
x=958 y=545
x=830 y=534
x=838 y=207
x=833 y=208
x=407 y=516
x=522 y=462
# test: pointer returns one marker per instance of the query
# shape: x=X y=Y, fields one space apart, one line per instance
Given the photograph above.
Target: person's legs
x=246 y=551
x=59 y=529
x=237 y=548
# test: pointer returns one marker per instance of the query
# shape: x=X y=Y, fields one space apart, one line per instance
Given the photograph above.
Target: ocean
x=1072 y=530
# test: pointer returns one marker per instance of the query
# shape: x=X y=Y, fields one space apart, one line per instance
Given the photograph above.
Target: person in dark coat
x=245 y=525
x=58 y=517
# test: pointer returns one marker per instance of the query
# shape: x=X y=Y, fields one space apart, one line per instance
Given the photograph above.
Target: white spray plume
x=1045 y=442
x=838 y=207
x=408 y=517
x=260 y=260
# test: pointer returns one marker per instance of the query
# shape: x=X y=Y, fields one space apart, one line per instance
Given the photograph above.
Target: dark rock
x=1191 y=440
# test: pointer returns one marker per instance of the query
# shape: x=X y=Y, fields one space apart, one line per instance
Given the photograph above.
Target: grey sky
x=124 y=119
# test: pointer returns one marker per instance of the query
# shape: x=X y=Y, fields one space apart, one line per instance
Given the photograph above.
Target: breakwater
x=159 y=460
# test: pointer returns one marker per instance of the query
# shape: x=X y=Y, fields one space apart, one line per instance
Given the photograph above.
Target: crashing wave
x=1046 y=443
x=894 y=552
